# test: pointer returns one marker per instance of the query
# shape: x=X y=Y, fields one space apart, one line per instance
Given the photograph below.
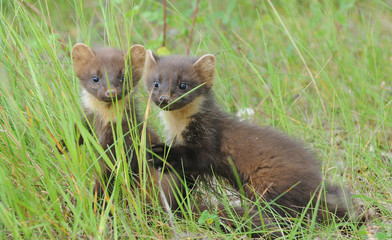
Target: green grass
x=343 y=113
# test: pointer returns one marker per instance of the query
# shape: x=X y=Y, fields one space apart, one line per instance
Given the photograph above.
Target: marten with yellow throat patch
x=106 y=84
x=206 y=140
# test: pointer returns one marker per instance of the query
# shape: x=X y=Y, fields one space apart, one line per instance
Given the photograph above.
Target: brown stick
x=193 y=26
x=164 y=24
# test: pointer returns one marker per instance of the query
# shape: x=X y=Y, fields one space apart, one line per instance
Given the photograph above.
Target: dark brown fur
x=110 y=94
x=205 y=139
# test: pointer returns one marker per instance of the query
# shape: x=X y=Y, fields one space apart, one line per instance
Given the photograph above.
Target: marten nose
x=164 y=99
x=110 y=93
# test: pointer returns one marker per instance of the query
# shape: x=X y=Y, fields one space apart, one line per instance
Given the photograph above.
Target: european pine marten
x=205 y=140
x=105 y=85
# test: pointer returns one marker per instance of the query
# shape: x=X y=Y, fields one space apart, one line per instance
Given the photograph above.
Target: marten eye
x=183 y=86
x=122 y=79
x=95 y=79
x=156 y=84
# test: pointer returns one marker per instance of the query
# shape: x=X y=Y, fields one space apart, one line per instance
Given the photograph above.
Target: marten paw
x=159 y=152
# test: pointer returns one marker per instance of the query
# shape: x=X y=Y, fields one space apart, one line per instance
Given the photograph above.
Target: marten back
x=271 y=164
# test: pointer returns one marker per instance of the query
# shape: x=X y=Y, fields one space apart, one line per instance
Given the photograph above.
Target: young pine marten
x=206 y=140
x=105 y=85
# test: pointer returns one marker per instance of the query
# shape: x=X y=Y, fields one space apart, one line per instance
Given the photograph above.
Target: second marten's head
x=176 y=81
x=103 y=72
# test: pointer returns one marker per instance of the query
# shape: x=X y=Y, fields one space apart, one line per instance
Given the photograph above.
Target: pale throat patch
x=105 y=111
x=176 y=121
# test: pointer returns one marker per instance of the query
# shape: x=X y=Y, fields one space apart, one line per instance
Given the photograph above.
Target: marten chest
x=175 y=127
x=104 y=112
x=105 y=116
x=179 y=123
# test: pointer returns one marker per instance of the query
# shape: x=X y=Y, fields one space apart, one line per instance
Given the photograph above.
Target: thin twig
x=193 y=26
x=218 y=52
x=299 y=53
x=164 y=24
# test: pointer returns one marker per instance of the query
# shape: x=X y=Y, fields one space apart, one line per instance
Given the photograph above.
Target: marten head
x=176 y=81
x=103 y=72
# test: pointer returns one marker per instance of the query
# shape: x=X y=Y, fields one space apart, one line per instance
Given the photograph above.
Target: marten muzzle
x=111 y=95
x=162 y=101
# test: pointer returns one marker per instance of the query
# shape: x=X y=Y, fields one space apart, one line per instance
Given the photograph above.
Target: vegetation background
x=318 y=70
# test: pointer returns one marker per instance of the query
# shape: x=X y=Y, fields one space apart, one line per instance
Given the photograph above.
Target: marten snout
x=162 y=101
x=165 y=100
x=111 y=93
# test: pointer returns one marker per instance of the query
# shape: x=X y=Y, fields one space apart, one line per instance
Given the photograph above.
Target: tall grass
x=337 y=99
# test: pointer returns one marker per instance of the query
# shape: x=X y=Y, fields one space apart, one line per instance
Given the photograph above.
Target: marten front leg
x=160 y=155
x=181 y=158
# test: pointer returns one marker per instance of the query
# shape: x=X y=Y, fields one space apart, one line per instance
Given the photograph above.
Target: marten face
x=103 y=73
x=176 y=81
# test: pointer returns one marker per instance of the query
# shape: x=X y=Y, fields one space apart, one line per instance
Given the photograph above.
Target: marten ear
x=205 y=66
x=150 y=60
x=149 y=64
x=138 y=57
x=81 y=55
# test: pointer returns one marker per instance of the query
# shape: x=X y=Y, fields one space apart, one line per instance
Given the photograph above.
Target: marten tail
x=339 y=202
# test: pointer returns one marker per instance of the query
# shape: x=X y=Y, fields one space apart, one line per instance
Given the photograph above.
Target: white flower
x=244 y=113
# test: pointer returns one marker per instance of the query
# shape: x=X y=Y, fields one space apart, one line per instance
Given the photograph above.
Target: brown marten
x=204 y=140
x=106 y=83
